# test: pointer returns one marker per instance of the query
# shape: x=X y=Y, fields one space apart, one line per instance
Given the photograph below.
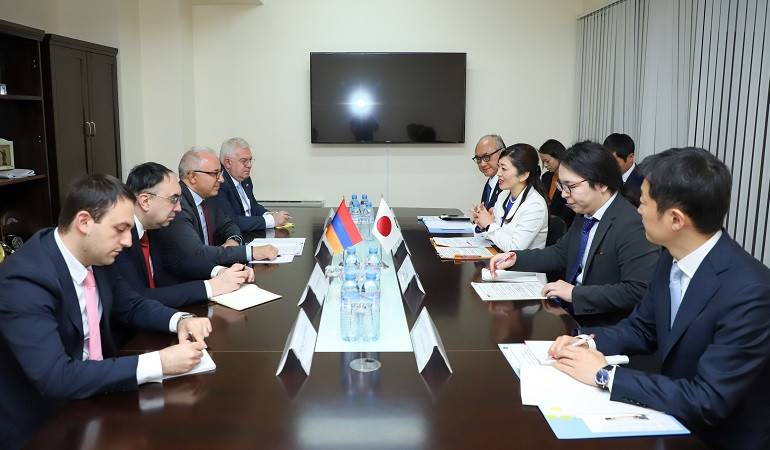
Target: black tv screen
x=387 y=97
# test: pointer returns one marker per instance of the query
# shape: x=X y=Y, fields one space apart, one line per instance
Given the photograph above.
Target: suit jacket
x=41 y=337
x=130 y=265
x=528 y=227
x=182 y=239
x=556 y=204
x=619 y=265
x=632 y=188
x=230 y=203
x=492 y=198
x=716 y=357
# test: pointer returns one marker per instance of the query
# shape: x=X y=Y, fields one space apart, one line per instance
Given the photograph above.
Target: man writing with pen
x=606 y=261
x=706 y=313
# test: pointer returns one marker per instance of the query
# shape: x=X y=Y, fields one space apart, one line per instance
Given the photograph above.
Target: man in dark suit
x=201 y=230
x=604 y=253
x=57 y=304
x=486 y=155
x=236 y=194
x=706 y=313
x=158 y=195
x=621 y=146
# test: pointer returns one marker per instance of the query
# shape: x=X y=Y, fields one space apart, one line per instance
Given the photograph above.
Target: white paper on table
x=466 y=241
x=540 y=350
x=463 y=252
x=301 y=341
x=318 y=283
x=282 y=259
x=512 y=276
x=425 y=338
x=652 y=421
x=205 y=365
x=518 y=356
x=509 y=291
x=286 y=246
x=405 y=273
x=244 y=297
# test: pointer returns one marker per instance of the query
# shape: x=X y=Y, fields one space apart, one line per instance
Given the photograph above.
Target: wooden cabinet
x=25 y=203
x=82 y=103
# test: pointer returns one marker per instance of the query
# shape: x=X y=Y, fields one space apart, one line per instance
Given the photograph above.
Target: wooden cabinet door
x=70 y=112
x=104 y=142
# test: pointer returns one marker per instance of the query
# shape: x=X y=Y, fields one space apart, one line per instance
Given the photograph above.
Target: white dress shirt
x=627 y=173
x=598 y=216
x=149 y=367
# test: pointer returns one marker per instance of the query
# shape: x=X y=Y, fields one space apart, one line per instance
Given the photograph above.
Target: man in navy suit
x=706 y=313
x=57 y=304
x=621 y=146
x=158 y=197
x=487 y=153
x=236 y=194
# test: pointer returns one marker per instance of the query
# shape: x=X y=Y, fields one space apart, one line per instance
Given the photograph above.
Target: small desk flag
x=385 y=228
x=342 y=232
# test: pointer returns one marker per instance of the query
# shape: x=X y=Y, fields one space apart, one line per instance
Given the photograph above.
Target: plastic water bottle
x=355 y=209
x=350 y=263
x=369 y=309
x=349 y=299
x=368 y=214
x=373 y=262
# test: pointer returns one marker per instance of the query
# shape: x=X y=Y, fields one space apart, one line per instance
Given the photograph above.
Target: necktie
x=675 y=288
x=209 y=230
x=485 y=197
x=244 y=199
x=145 y=241
x=584 y=233
x=92 y=315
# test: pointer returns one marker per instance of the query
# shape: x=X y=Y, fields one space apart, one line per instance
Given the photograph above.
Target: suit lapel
x=69 y=297
x=137 y=255
x=602 y=228
x=248 y=187
x=188 y=198
x=105 y=298
x=702 y=287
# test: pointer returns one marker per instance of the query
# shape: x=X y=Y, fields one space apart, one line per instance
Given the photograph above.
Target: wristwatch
x=185 y=316
x=602 y=377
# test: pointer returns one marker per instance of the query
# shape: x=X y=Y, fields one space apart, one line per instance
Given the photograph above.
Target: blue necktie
x=485 y=196
x=675 y=289
x=588 y=223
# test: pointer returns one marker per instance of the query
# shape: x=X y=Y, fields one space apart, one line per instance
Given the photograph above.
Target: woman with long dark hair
x=519 y=219
x=551 y=153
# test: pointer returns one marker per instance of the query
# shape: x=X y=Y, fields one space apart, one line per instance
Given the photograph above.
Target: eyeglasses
x=213 y=173
x=245 y=161
x=568 y=187
x=485 y=158
x=174 y=199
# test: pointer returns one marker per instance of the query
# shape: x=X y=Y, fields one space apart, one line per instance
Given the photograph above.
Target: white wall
x=251 y=78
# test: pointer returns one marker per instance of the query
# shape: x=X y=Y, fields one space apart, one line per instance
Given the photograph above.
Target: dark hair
x=553 y=148
x=524 y=158
x=146 y=176
x=692 y=180
x=595 y=164
x=95 y=194
x=620 y=144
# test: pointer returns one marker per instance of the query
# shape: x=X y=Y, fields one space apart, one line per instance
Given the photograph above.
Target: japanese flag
x=385 y=228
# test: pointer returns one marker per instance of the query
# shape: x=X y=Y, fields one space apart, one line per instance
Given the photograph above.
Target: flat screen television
x=387 y=98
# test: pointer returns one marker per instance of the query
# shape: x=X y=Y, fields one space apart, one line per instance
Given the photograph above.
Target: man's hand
x=182 y=357
x=561 y=342
x=230 y=279
x=231 y=243
x=193 y=329
x=260 y=252
x=560 y=289
x=501 y=261
x=280 y=217
x=580 y=363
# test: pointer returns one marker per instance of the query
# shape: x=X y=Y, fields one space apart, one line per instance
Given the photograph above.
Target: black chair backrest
x=556 y=229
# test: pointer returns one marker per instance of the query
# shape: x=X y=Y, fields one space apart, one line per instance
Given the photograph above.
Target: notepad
x=247 y=296
x=205 y=365
x=509 y=291
x=286 y=246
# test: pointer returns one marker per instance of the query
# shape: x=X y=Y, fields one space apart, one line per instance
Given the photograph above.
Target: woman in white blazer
x=519 y=220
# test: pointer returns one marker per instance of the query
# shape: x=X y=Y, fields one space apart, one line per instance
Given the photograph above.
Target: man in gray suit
x=605 y=255
x=201 y=229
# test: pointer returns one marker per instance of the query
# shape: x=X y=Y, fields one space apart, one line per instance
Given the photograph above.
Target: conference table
x=243 y=404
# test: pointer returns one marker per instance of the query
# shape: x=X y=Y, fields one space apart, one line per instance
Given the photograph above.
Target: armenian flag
x=342 y=232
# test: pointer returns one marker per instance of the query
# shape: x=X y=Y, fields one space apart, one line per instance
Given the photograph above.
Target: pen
x=190 y=335
x=582 y=340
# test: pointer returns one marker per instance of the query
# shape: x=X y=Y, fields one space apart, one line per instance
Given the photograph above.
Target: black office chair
x=556 y=229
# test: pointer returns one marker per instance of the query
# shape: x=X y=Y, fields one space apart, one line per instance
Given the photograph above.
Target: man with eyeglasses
x=201 y=230
x=487 y=153
x=158 y=197
x=236 y=195
x=605 y=256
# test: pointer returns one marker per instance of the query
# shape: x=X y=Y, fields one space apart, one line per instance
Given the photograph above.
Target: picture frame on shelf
x=6 y=155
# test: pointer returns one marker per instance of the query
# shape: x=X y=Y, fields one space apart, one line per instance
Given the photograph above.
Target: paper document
x=205 y=365
x=246 y=296
x=518 y=356
x=509 y=291
x=286 y=246
x=436 y=225
x=469 y=241
x=512 y=276
x=463 y=252
x=281 y=259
